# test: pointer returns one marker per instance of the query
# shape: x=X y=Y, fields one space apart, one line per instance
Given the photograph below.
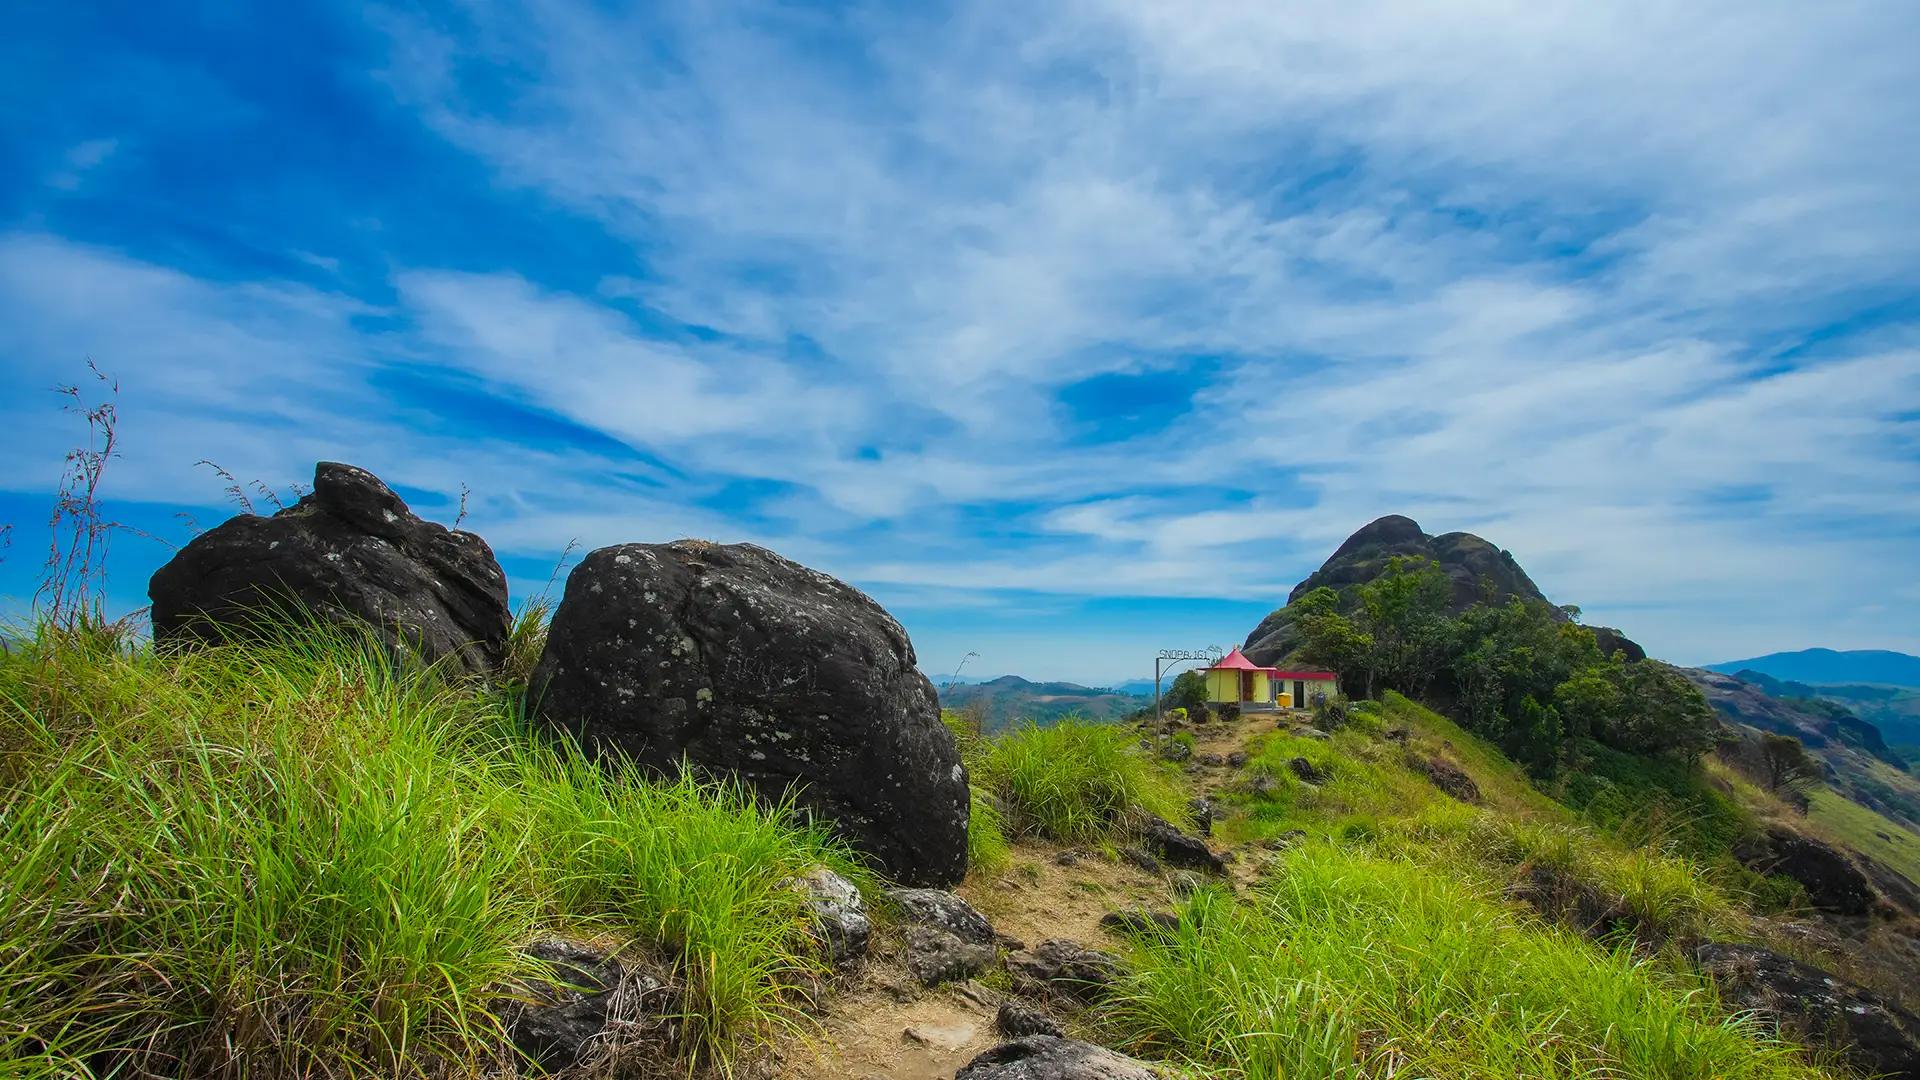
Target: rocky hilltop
x=1479 y=571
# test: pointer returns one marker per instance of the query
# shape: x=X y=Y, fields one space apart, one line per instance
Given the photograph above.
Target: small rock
x=1017 y=1019
x=940 y=1036
x=1398 y=735
x=1175 y=750
x=1059 y=966
x=1211 y=760
x=1066 y=858
x=1045 y=1057
x=556 y=1024
x=840 y=921
x=1263 y=786
x=947 y=938
x=1312 y=733
x=1202 y=809
x=1179 y=849
x=1140 y=922
x=1139 y=858
x=1451 y=778
x=1237 y=759
x=1306 y=771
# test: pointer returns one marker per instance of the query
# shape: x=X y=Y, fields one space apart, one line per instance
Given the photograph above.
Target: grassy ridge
x=291 y=860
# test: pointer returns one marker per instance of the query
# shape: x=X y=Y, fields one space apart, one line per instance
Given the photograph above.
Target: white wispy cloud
x=1619 y=286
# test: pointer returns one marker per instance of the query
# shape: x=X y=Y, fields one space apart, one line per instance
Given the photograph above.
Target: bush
x=1077 y=781
x=289 y=859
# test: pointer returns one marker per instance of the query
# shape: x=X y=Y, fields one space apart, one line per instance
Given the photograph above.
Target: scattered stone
x=1008 y=942
x=1066 y=858
x=947 y=938
x=744 y=663
x=940 y=1036
x=1398 y=735
x=1237 y=759
x=840 y=921
x=1140 y=922
x=1140 y=858
x=1306 y=771
x=1451 y=778
x=1202 y=809
x=1179 y=849
x=1263 y=786
x=559 y=1023
x=1017 y=1019
x=1175 y=750
x=350 y=553
x=1832 y=881
x=1874 y=1035
x=1210 y=759
x=1059 y=966
x=1312 y=733
x=1045 y=1057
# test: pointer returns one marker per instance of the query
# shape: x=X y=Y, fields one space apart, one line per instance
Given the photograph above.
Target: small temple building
x=1236 y=680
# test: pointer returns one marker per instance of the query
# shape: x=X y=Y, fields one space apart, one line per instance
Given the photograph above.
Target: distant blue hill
x=1828 y=666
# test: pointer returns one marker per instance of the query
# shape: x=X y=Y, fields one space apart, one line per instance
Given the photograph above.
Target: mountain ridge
x=1831 y=666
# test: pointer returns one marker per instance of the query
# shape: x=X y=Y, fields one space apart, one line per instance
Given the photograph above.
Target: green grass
x=1864 y=829
x=1076 y=781
x=289 y=860
x=1349 y=964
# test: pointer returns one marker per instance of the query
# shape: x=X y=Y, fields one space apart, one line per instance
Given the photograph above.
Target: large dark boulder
x=1832 y=881
x=1874 y=1035
x=348 y=553
x=748 y=665
x=1046 y=1057
x=1477 y=569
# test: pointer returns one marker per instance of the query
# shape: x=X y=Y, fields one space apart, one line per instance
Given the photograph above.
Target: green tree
x=1189 y=691
x=1333 y=641
x=1404 y=611
x=1789 y=771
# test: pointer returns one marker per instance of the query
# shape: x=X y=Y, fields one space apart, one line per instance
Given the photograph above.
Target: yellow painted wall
x=1224 y=686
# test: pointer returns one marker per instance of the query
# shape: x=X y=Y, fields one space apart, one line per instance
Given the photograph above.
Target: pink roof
x=1234 y=661
x=1302 y=675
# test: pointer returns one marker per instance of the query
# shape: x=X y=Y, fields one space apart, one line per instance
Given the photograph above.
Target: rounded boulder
x=746 y=664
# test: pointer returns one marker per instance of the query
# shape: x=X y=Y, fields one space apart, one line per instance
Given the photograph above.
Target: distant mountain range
x=1010 y=699
x=1831 y=666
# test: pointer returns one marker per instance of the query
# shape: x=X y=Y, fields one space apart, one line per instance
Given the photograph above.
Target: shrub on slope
x=291 y=860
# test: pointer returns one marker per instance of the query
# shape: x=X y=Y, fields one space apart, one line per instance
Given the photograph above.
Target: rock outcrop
x=350 y=552
x=746 y=664
x=1874 y=1035
x=1478 y=570
x=1045 y=1057
x=1833 y=883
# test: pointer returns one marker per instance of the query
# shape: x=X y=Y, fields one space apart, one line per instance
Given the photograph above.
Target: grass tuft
x=1077 y=781
x=288 y=858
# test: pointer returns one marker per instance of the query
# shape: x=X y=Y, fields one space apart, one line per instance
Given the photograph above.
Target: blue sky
x=1069 y=331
